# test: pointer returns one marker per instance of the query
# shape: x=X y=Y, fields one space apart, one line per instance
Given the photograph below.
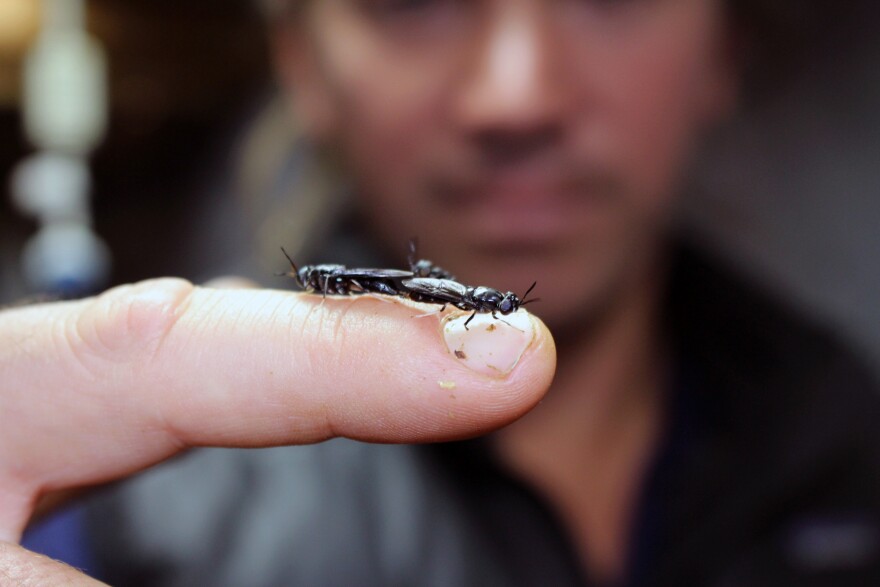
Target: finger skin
x=97 y=389
x=22 y=568
x=231 y=282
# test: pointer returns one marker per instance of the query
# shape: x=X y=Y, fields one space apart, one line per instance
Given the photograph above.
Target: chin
x=577 y=285
x=565 y=289
x=567 y=306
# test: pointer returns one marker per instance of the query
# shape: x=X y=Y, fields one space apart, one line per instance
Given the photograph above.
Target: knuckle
x=328 y=335
x=333 y=347
x=129 y=322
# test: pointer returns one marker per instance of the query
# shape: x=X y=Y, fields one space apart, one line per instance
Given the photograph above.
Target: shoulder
x=792 y=467
x=754 y=338
x=772 y=367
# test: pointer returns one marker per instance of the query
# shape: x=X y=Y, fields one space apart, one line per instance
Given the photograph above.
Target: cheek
x=662 y=120
x=386 y=151
x=389 y=118
x=654 y=95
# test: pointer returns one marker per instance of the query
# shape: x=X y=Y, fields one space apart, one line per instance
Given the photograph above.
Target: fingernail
x=492 y=346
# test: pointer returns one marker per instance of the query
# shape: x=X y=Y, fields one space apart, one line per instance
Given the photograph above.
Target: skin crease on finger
x=156 y=367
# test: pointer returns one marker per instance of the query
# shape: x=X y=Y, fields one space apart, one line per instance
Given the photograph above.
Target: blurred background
x=181 y=79
x=789 y=191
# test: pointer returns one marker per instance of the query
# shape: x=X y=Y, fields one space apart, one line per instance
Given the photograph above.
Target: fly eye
x=505 y=306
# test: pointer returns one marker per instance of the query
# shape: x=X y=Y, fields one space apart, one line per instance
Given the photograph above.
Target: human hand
x=95 y=390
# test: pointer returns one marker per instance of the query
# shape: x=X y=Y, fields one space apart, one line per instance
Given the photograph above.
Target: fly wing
x=377 y=273
x=444 y=290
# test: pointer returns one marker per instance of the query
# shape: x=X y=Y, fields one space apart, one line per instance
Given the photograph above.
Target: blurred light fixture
x=19 y=21
x=65 y=75
x=64 y=108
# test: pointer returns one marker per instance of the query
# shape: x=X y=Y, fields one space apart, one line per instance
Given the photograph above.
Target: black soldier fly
x=425 y=282
x=480 y=299
x=424 y=267
x=340 y=280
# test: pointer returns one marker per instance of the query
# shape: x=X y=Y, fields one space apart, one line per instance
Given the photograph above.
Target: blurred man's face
x=520 y=140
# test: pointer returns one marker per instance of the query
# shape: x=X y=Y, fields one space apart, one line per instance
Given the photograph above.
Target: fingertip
x=519 y=387
x=460 y=384
x=516 y=356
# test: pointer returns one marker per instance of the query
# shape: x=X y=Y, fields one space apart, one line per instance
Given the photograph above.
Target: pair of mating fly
x=424 y=282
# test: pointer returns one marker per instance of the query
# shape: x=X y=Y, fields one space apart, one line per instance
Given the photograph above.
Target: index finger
x=96 y=389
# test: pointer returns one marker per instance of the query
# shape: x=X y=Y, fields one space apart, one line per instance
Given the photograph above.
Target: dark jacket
x=769 y=475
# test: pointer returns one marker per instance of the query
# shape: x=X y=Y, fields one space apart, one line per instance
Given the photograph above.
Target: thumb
x=23 y=568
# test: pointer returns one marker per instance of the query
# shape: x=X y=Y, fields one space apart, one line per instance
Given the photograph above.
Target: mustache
x=460 y=184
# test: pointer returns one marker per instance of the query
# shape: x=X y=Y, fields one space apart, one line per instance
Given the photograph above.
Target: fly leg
x=494 y=315
x=440 y=311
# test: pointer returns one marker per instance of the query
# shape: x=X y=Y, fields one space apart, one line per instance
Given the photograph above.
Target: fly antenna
x=292 y=264
x=413 y=249
x=526 y=295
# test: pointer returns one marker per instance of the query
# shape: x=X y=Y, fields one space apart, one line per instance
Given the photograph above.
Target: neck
x=587 y=445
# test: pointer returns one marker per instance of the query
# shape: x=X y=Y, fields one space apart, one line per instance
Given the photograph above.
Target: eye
x=586 y=15
x=391 y=8
x=606 y=4
x=505 y=306
x=428 y=28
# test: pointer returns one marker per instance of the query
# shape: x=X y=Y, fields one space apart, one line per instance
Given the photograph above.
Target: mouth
x=525 y=208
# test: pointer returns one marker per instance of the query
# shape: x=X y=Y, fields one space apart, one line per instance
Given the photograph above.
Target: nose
x=510 y=95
